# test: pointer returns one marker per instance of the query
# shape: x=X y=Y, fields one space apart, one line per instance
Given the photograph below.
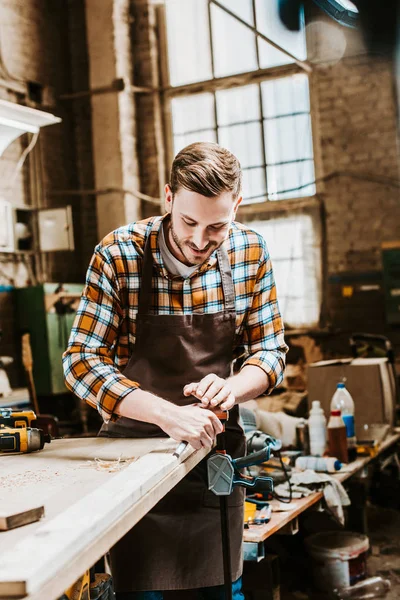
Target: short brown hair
x=207 y=169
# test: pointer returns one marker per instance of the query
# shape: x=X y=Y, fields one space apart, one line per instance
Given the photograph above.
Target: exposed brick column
x=113 y=114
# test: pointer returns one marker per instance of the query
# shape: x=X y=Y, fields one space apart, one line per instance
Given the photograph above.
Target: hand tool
x=27 y=361
x=222 y=415
x=22 y=439
x=17 y=418
x=223 y=474
x=91 y=586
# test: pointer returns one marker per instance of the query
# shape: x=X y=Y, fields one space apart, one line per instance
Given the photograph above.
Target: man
x=169 y=304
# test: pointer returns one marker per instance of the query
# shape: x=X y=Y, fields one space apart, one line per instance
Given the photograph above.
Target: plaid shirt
x=103 y=334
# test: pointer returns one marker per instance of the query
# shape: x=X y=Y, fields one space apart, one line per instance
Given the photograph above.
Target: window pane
x=245 y=143
x=238 y=104
x=192 y=113
x=254 y=186
x=287 y=181
x=270 y=24
x=188 y=38
x=234 y=46
x=294 y=246
x=207 y=135
x=285 y=96
x=288 y=138
x=241 y=8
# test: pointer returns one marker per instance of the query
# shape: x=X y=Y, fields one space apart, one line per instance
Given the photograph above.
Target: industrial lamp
x=16 y=119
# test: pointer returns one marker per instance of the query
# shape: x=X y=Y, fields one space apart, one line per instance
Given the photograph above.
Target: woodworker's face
x=198 y=225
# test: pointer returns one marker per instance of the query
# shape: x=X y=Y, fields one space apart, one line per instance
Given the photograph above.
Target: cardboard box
x=370 y=382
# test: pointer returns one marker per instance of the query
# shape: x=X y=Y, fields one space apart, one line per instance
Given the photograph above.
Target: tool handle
x=255 y=458
x=180 y=449
x=265 y=484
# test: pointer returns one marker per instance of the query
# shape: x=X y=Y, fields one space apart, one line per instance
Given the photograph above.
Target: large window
x=228 y=85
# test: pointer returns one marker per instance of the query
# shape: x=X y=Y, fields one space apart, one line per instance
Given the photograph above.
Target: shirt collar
x=157 y=258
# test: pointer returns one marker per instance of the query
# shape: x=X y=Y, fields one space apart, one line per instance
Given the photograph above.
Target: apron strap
x=147 y=276
x=226 y=277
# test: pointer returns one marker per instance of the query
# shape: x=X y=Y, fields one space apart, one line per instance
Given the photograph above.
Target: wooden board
x=88 y=510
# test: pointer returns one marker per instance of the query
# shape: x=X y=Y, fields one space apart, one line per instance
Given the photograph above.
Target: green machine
x=391 y=281
x=47 y=312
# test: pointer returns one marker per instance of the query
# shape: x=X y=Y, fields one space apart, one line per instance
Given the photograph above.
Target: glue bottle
x=317 y=429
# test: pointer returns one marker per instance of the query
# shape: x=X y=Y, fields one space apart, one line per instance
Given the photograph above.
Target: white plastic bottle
x=343 y=401
x=317 y=429
x=330 y=464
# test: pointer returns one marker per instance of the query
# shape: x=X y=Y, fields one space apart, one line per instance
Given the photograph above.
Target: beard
x=181 y=244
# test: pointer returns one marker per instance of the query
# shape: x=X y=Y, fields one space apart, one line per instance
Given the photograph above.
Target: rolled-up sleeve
x=263 y=331
x=89 y=368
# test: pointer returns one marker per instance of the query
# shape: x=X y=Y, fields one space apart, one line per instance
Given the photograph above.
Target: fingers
x=190 y=389
x=229 y=402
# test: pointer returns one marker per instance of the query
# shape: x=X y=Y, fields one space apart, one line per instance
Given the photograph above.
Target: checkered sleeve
x=89 y=359
x=263 y=331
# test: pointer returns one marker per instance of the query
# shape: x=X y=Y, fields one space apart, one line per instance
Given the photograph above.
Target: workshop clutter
x=339 y=559
x=370 y=382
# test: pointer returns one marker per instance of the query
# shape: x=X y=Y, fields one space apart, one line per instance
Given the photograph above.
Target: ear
x=168 y=199
x=237 y=202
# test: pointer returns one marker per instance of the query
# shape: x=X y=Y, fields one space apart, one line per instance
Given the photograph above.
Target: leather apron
x=177 y=545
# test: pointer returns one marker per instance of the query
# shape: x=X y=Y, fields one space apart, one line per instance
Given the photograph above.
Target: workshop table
x=90 y=503
x=257 y=534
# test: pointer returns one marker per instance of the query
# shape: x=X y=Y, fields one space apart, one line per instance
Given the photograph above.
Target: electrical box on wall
x=55 y=229
x=7 y=243
x=18 y=226
x=391 y=280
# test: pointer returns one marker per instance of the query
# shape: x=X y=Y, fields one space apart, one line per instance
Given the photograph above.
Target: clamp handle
x=255 y=458
x=265 y=484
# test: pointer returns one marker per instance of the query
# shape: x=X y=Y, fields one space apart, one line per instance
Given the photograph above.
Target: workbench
x=284 y=514
x=94 y=490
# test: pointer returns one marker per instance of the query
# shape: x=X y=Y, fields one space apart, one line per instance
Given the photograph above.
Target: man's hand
x=212 y=391
x=192 y=424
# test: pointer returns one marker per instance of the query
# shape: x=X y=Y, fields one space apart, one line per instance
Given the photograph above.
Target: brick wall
x=359 y=140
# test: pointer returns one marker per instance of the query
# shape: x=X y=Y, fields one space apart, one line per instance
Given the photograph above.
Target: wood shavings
x=25 y=478
x=110 y=465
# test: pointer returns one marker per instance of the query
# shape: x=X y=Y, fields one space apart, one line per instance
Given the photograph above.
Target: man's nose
x=200 y=239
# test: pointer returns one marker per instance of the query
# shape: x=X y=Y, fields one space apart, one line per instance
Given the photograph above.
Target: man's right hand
x=194 y=424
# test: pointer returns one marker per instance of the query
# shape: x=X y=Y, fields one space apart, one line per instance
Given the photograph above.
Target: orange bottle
x=337 y=439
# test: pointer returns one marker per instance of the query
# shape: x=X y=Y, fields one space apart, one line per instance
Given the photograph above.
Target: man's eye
x=189 y=224
x=217 y=227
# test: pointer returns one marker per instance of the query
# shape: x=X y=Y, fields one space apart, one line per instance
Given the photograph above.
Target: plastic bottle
x=337 y=439
x=328 y=464
x=317 y=429
x=343 y=401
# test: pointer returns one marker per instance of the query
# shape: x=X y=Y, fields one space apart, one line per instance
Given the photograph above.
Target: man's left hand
x=212 y=391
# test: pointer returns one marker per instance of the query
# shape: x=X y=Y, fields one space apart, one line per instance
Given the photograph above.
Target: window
x=228 y=85
x=294 y=245
x=266 y=125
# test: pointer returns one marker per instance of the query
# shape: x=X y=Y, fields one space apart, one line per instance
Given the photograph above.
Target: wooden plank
x=44 y=563
x=16 y=517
